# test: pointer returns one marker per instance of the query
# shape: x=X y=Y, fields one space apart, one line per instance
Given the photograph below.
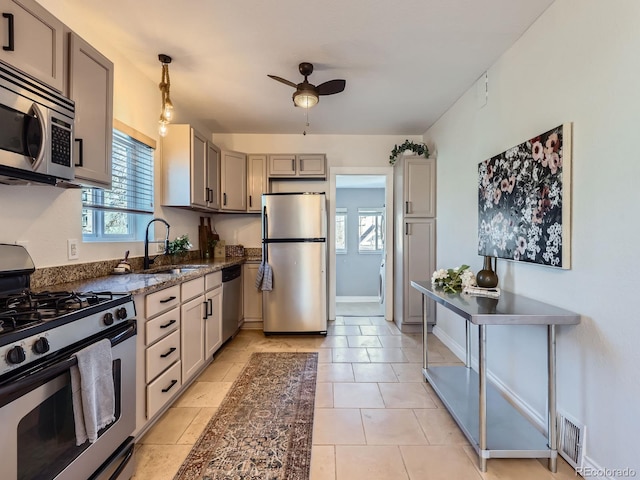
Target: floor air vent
x=571 y=436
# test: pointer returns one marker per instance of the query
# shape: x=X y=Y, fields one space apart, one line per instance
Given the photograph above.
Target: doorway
x=360 y=242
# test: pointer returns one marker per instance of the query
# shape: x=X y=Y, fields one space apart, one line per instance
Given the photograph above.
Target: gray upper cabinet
x=233 y=181
x=282 y=166
x=301 y=166
x=189 y=169
x=33 y=41
x=314 y=165
x=91 y=87
x=256 y=181
x=212 y=188
x=419 y=187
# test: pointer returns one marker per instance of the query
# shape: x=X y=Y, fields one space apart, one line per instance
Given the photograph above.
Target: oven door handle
x=53 y=368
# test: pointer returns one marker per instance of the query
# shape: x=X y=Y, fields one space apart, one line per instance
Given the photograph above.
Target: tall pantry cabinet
x=414 y=239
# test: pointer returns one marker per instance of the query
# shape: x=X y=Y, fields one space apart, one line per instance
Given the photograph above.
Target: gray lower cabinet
x=251 y=296
x=192 y=313
x=179 y=330
x=417 y=262
x=158 y=366
x=213 y=317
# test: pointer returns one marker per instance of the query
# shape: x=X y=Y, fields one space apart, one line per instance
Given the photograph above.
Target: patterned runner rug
x=262 y=430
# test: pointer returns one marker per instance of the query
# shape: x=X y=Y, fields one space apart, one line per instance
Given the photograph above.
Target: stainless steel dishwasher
x=231 y=300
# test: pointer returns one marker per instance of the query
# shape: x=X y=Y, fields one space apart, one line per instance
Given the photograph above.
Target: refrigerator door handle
x=265 y=235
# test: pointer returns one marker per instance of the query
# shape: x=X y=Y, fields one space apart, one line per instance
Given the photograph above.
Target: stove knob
x=121 y=313
x=16 y=355
x=41 y=345
x=108 y=319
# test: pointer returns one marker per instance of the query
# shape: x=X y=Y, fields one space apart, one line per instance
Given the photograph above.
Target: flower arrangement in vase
x=453 y=279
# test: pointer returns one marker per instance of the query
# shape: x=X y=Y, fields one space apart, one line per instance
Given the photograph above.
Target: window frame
x=379 y=214
x=342 y=212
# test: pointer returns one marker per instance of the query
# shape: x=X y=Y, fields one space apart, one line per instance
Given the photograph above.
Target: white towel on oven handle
x=93 y=394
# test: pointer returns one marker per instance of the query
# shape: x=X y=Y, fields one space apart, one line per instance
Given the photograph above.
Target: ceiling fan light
x=305 y=99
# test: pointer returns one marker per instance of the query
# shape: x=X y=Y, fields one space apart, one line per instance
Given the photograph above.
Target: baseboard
x=539 y=421
x=357 y=299
x=250 y=324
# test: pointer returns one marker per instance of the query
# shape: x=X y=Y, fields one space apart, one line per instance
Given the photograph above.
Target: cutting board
x=203 y=238
x=205 y=235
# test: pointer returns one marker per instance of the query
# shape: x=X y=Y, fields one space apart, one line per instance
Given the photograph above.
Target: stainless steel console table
x=491 y=424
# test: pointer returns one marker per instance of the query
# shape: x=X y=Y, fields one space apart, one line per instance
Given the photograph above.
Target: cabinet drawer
x=212 y=280
x=162 y=301
x=162 y=325
x=162 y=389
x=192 y=288
x=162 y=354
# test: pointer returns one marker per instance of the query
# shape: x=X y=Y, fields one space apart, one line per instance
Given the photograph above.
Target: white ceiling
x=405 y=61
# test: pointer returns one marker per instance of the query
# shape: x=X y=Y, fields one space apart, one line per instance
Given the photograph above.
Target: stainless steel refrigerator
x=294 y=239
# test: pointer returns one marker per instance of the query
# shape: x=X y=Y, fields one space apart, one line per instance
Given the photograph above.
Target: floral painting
x=524 y=201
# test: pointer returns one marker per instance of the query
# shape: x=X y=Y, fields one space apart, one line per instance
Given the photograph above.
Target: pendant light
x=166 y=112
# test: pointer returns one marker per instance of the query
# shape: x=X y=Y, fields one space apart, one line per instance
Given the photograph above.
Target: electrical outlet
x=73 y=252
x=160 y=246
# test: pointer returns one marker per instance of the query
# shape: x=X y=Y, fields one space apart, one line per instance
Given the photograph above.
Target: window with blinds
x=117 y=214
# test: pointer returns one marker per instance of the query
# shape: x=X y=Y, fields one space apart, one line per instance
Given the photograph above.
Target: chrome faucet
x=148 y=261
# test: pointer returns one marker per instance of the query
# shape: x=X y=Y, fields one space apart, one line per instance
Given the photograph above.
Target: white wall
x=47 y=216
x=578 y=63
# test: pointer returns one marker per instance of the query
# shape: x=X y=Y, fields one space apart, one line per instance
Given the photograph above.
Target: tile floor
x=375 y=417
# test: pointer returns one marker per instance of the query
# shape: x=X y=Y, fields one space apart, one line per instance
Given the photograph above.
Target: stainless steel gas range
x=40 y=334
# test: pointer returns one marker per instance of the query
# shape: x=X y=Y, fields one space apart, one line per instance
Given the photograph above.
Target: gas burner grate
x=12 y=319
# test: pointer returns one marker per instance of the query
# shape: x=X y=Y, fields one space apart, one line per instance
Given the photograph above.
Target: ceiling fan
x=306 y=94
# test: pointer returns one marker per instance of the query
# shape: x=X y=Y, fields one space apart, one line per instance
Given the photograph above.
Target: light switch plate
x=73 y=252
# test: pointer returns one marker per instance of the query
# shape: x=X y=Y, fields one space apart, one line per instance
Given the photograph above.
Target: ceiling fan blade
x=331 y=87
x=282 y=80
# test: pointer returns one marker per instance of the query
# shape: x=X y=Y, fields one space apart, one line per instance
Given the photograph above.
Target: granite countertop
x=142 y=283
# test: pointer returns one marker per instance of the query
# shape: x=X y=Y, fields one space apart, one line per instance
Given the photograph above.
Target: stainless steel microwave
x=36 y=131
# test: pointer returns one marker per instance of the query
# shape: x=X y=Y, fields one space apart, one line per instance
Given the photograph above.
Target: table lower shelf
x=509 y=434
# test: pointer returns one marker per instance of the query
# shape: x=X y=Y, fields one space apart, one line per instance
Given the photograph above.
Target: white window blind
x=132 y=179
